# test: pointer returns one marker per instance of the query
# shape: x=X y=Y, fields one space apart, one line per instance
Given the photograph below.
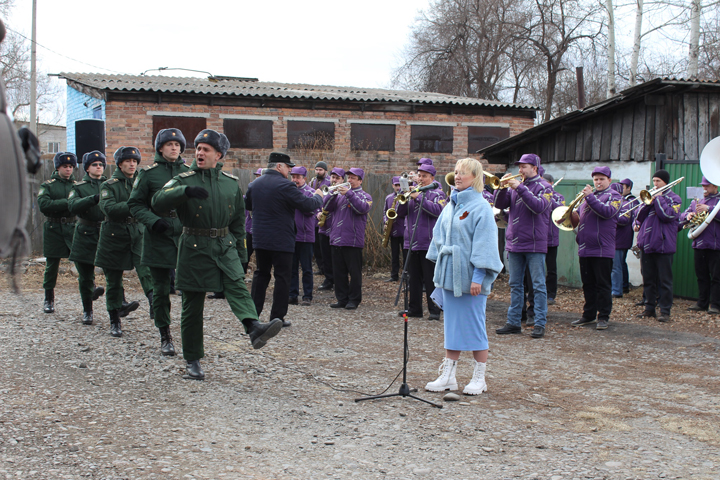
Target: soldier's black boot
x=166 y=343
x=150 y=300
x=87 y=312
x=194 y=370
x=260 y=333
x=49 y=301
x=97 y=293
x=127 y=308
x=115 y=326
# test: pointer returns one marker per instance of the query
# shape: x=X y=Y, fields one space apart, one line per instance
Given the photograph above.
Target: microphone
x=432 y=186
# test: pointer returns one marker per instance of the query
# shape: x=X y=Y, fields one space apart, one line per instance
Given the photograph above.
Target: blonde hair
x=470 y=165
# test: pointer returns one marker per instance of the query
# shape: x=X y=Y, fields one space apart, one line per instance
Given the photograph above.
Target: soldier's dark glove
x=196 y=192
x=160 y=226
x=96 y=197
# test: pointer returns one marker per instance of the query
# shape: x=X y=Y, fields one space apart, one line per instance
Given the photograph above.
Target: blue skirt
x=465 y=322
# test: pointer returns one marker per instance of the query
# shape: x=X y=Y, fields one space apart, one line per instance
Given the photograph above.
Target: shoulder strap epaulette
x=228 y=174
x=48 y=182
x=112 y=180
x=150 y=167
x=188 y=174
x=81 y=182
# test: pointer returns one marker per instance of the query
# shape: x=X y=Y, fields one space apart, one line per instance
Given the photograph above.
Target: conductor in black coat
x=273 y=199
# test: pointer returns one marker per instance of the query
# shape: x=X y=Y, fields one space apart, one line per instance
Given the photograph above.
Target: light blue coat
x=465 y=238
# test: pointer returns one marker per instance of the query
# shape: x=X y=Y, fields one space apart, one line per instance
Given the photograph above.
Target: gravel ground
x=640 y=400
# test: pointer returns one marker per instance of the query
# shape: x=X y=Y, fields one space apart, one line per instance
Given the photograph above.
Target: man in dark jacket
x=273 y=199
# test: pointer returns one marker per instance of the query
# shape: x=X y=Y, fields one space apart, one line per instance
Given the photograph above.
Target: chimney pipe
x=580 y=87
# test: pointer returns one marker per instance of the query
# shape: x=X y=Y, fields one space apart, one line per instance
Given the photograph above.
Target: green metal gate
x=568 y=263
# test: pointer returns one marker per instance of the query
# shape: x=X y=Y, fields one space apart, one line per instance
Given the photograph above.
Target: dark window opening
x=364 y=136
x=481 y=137
x=189 y=126
x=311 y=135
x=249 y=133
x=431 y=139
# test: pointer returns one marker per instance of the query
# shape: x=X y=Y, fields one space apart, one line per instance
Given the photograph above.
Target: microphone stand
x=405 y=390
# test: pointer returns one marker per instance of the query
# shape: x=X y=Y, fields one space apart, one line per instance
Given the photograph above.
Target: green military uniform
x=211 y=249
x=81 y=202
x=120 y=244
x=159 y=251
x=59 y=225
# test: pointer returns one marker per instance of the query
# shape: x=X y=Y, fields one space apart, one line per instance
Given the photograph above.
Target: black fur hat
x=215 y=139
x=168 y=135
x=65 y=158
x=124 y=153
x=278 y=157
x=92 y=157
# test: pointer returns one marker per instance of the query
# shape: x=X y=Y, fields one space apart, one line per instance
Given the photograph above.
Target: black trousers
x=396 y=249
x=707 y=270
x=347 y=261
x=249 y=252
x=421 y=271
x=281 y=264
x=551 y=272
x=327 y=259
x=596 y=273
x=658 y=281
x=317 y=251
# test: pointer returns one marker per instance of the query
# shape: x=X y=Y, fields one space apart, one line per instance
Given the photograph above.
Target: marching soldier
x=305 y=223
x=337 y=177
x=658 y=227
x=59 y=225
x=397 y=235
x=83 y=201
x=350 y=208
x=322 y=179
x=162 y=227
x=120 y=243
x=596 y=247
x=210 y=206
x=426 y=206
x=707 y=250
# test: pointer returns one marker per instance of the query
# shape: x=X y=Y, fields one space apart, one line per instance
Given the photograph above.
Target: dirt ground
x=640 y=400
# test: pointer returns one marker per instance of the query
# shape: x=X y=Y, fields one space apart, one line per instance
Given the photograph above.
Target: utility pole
x=33 y=71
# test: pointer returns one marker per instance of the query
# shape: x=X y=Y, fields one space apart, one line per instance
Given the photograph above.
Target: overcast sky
x=315 y=41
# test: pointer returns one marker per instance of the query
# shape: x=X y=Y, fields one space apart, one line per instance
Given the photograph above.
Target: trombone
x=647 y=196
x=496 y=182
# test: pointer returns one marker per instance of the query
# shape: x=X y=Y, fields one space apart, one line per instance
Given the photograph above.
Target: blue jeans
x=535 y=263
x=619 y=264
x=303 y=255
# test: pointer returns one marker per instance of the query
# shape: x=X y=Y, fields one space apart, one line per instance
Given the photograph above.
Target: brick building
x=383 y=131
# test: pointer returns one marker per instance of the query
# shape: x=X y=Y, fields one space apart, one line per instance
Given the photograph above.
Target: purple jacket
x=659 y=224
x=349 y=217
x=305 y=222
x=489 y=196
x=553 y=231
x=709 y=239
x=529 y=217
x=625 y=235
x=398 y=228
x=248 y=221
x=428 y=205
x=598 y=224
x=314 y=184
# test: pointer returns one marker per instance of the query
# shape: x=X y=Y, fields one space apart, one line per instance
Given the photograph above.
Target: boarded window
x=249 y=133
x=431 y=139
x=189 y=126
x=481 y=137
x=311 y=135
x=374 y=137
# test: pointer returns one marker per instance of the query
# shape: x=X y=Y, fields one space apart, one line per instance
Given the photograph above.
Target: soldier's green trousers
x=115 y=290
x=161 y=295
x=52 y=266
x=191 y=319
x=86 y=280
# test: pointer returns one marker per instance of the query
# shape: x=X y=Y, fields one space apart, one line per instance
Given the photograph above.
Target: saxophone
x=322 y=218
x=391 y=215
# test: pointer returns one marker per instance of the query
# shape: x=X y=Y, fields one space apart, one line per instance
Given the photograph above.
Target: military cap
x=92 y=157
x=64 y=158
x=125 y=153
x=215 y=139
x=169 y=135
x=530 y=159
x=277 y=157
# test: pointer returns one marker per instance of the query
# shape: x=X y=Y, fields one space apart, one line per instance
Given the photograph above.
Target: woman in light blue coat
x=465 y=250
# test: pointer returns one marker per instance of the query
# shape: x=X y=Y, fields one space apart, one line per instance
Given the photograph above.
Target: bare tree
x=611 y=87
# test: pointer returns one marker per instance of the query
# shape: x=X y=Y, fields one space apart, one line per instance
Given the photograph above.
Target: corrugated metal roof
x=224 y=86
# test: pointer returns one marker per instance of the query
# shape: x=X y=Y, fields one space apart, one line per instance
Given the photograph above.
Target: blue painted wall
x=81 y=107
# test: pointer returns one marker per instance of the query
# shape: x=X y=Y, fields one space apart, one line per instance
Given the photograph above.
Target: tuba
x=710 y=166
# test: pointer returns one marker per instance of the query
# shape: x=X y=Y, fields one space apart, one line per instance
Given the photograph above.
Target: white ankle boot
x=477 y=385
x=446 y=380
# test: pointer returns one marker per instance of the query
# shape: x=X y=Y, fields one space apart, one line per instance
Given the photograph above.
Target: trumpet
x=333 y=190
x=497 y=182
x=647 y=196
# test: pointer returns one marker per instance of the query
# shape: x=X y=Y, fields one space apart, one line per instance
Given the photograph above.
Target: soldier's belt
x=126 y=221
x=207 y=232
x=172 y=214
x=89 y=223
x=61 y=219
